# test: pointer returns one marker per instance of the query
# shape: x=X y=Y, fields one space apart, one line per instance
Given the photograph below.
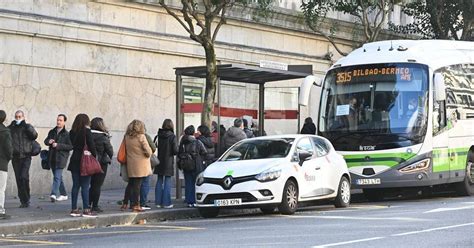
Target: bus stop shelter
x=246 y=74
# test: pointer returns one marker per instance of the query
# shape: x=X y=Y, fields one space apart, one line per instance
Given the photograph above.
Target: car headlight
x=418 y=166
x=268 y=175
x=199 y=179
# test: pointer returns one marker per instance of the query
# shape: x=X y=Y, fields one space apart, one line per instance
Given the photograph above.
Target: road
x=429 y=222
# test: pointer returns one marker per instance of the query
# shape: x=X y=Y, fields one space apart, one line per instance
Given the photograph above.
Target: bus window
x=439 y=116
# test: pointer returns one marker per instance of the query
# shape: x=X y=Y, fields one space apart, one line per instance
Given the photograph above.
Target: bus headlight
x=418 y=166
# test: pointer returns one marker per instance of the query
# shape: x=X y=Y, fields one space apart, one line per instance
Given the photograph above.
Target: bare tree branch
x=222 y=21
x=191 y=6
x=189 y=29
x=327 y=37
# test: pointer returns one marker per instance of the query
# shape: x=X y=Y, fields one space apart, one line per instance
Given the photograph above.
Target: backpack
x=186 y=159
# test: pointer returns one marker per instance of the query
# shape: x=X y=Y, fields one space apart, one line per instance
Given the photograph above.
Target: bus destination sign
x=376 y=73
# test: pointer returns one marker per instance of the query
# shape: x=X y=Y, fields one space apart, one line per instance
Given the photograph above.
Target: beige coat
x=138 y=156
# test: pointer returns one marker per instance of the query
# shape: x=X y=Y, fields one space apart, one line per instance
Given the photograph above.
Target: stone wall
x=115 y=59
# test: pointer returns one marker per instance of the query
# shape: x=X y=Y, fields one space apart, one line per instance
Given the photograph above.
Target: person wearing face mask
x=23 y=135
x=59 y=148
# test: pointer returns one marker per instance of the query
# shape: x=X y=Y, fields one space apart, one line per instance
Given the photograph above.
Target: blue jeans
x=144 y=190
x=189 y=187
x=163 y=191
x=58 y=185
x=83 y=183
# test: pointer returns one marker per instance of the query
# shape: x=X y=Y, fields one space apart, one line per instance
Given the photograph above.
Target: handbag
x=154 y=161
x=44 y=155
x=35 y=148
x=89 y=165
x=122 y=153
x=124 y=172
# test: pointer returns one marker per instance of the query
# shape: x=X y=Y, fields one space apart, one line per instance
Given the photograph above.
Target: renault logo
x=227 y=182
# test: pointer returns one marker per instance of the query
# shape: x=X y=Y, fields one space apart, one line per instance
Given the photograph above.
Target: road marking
x=437 y=210
x=156 y=229
x=356 y=218
x=370 y=206
x=433 y=229
x=348 y=242
x=394 y=235
x=183 y=228
x=38 y=242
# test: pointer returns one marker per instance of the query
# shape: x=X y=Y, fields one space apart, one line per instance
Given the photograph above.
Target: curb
x=105 y=220
x=115 y=219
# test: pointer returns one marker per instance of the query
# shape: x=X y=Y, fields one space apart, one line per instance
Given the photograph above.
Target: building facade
x=115 y=59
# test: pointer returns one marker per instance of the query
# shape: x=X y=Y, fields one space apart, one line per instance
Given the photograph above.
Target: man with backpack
x=190 y=160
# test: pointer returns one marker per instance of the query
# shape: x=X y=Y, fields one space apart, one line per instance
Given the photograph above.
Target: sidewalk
x=43 y=216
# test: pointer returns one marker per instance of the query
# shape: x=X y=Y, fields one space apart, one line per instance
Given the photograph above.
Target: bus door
x=441 y=161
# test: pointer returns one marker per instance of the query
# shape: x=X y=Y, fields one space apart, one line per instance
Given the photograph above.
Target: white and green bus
x=402 y=114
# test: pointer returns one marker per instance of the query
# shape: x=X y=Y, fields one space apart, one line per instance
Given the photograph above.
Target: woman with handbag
x=81 y=137
x=138 y=160
x=105 y=152
x=167 y=148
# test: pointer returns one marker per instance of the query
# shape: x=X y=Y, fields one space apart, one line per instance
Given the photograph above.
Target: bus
x=401 y=113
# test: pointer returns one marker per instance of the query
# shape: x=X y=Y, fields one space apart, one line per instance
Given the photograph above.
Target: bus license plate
x=227 y=202
x=368 y=181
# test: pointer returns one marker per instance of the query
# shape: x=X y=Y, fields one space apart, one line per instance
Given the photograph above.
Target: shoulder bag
x=89 y=165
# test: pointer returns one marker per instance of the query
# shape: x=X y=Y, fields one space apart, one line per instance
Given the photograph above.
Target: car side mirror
x=304 y=156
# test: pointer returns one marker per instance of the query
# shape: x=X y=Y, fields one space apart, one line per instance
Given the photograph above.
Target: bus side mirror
x=439 y=87
x=305 y=89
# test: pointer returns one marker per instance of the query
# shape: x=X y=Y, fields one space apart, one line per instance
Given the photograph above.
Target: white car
x=274 y=171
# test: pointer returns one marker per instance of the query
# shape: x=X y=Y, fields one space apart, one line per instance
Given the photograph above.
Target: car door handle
x=317 y=167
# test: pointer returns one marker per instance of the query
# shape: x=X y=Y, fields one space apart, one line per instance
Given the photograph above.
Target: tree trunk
x=211 y=84
x=468 y=16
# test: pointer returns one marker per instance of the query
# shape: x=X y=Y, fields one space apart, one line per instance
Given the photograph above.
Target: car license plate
x=368 y=181
x=227 y=202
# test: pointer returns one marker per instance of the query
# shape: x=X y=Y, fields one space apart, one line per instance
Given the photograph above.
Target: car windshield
x=381 y=99
x=259 y=149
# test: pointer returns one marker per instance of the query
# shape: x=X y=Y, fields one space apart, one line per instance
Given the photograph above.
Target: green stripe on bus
x=446 y=159
x=385 y=159
x=441 y=159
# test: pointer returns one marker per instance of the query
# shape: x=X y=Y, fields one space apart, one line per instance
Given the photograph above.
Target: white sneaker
x=158 y=206
x=53 y=198
x=146 y=208
x=62 y=198
x=169 y=206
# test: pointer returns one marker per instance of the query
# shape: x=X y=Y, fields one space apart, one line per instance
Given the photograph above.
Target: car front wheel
x=343 y=198
x=289 y=202
x=208 y=212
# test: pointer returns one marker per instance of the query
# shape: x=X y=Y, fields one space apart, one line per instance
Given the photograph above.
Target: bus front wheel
x=466 y=187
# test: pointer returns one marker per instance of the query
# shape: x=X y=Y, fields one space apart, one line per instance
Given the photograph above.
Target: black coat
x=249 y=133
x=23 y=136
x=167 y=149
x=6 y=148
x=308 y=129
x=191 y=145
x=78 y=143
x=103 y=147
x=210 y=149
x=57 y=157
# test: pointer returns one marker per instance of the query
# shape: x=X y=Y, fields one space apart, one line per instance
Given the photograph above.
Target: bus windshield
x=383 y=104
